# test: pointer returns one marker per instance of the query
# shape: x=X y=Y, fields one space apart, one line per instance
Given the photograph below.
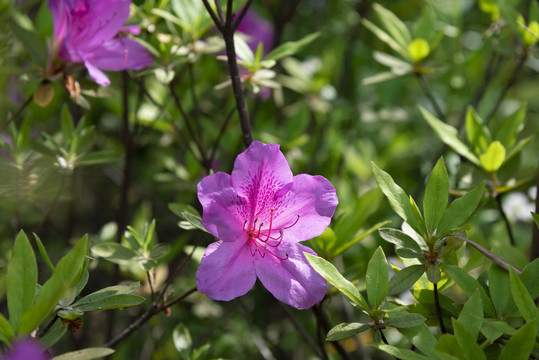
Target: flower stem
x=438 y=309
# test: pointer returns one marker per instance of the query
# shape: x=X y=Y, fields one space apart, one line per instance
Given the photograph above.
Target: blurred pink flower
x=26 y=349
x=260 y=213
x=86 y=31
x=258 y=30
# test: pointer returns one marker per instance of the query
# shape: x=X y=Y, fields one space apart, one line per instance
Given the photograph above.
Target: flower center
x=261 y=240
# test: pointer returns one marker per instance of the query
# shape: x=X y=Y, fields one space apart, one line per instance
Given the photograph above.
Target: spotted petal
x=226 y=271
x=292 y=281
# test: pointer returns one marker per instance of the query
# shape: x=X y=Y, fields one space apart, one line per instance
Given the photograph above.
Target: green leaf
x=24 y=134
x=418 y=49
x=436 y=196
x=385 y=37
x=511 y=126
x=520 y=346
x=493 y=329
x=66 y=124
x=521 y=144
x=493 y=157
x=471 y=316
x=405 y=321
x=85 y=354
x=66 y=275
x=529 y=277
x=108 y=292
x=189 y=213
x=471 y=350
x=114 y=252
x=54 y=335
x=345 y=330
x=418 y=216
x=182 y=340
x=23 y=28
x=500 y=290
x=43 y=253
x=449 y=135
x=448 y=346
x=433 y=273
x=148 y=234
x=100 y=157
x=377 y=278
x=421 y=337
x=461 y=209
x=399 y=238
x=476 y=131
x=396 y=196
x=341 y=249
x=404 y=354
x=21 y=279
x=405 y=279
x=290 y=48
x=536 y=218
x=331 y=274
x=522 y=297
x=5 y=328
x=469 y=285
x=111 y=302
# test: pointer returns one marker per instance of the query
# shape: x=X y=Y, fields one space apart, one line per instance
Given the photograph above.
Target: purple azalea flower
x=85 y=31
x=260 y=213
x=258 y=30
x=27 y=349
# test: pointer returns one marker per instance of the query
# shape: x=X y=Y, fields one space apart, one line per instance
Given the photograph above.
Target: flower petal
x=60 y=19
x=314 y=199
x=260 y=174
x=292 y=281
x=119 y=54
x=226 y=271
x=99 y=76
x=220 y=208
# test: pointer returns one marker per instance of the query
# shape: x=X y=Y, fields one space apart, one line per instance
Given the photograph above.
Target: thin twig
x=495 y=258
x=304 y=334
x=438 y=309
x=323 y=324
x=243 y=11
x=48 y=327
x=153 y=310
x=149 y=277
x=430 y=96
x=505 y=219
x=512 y=81
x=383 y=337
x=17 y=113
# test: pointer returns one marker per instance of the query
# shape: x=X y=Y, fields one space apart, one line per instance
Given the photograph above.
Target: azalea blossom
x=91 y=32
x=260 y=213
x=258 y=30
x=25 y=350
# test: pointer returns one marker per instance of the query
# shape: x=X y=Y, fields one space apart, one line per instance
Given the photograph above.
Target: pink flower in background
x=260 y=213
x=27 y=349
x=86 y=31
x=258 y=30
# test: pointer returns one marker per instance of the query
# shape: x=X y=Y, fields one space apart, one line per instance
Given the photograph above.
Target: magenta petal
x=314 y=199
x=220 y=206
x=226 y=270
x=292 y=281
x=119 y=54
x=60 y=18
x=260 y=173
x=99 y=76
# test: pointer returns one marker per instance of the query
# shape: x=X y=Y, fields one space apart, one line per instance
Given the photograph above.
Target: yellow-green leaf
x=494 y=157
x=418 y=49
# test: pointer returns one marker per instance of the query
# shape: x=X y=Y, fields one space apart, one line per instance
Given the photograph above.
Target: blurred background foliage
x=111 y=157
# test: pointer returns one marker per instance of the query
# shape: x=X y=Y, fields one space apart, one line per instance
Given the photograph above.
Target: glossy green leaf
x=493 y=329
x=21 y=279
x=449 y=135
x=396 y=196
x=85 y=354
x=471 y=316
x=470 y=285
x=417 y=215
x=511 y=126
x=189 y=213
x=43 y=253
x=529 y=278
x=347 y=245
x=66 y=275
x=331 y=274
x=476 y=131
x=471 y=350
x=114 y=252
x=461 y=209
x=290 y=47
x=111 y=302
x=493 y=157
x=405 y=321
x=377 y=278
x=56 y=332
x=404 y=354
x=345 y=330
x=5 y=328
x=421 y=337
x=399 y=238
x=521 y=144
x=67 y=126
x=405 y=279
x=500 y=291
x=108 y=292
x=385 y=37
x=522 y=297
x=393 y=25
x=520 y=346
x=536 y=218
x=448 y=346
x=436 y=195
x=433 y=273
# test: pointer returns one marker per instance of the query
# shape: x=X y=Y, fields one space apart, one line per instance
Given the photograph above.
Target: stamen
x=295 y=222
